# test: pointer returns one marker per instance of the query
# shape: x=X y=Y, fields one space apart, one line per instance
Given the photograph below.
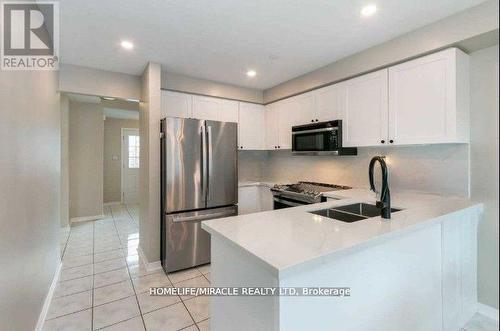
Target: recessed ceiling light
x=369 y=10
x=108 y=98
x=127 y=44
x=251 y=73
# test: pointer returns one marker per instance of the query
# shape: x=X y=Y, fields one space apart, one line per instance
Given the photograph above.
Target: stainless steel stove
x=302 y=193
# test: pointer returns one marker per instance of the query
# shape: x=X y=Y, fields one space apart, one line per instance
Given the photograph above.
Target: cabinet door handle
x=391 y=141
x=316 y=120
x=382 y=141
x=312 y=120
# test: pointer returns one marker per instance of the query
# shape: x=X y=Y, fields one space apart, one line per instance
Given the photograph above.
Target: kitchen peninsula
x=416 y=271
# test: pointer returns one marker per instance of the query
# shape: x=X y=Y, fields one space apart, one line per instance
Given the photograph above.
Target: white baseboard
x=487 y=311
x=112 y=203
x=86 y=218
x=48 y=299
x=150 y=266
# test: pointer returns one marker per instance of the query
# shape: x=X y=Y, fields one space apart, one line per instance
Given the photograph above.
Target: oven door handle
x=288 y=203
x=198 y=218
x=314 y=130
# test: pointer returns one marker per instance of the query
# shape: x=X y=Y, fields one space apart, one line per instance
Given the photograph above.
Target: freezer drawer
x=184 y=243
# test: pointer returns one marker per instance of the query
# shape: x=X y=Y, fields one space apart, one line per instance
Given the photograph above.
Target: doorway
x=130 y=166
x=99 y=157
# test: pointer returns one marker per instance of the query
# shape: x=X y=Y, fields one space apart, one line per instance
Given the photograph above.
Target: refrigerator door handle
x=204 y=165
x=198 y=218
x=209 y=156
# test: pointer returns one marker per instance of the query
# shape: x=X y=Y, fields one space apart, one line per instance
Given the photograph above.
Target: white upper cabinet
x=280 y=117
x=175 y=104
x=272 y=127
x=184 y=105
x=251 y=124
x=206 y=108
x=287 y=117
x=365 y=119
x=428 y=99
x=303 y=109
x=229 y=111
x=423 y=101
x=330 y=103
x=325 y=104
x=215 y=109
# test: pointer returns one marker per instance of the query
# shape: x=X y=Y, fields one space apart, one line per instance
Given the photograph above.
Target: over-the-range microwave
x=323 y=138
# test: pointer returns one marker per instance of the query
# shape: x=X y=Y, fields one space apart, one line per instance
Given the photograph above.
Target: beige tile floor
x=104 y=286
x=481 y=323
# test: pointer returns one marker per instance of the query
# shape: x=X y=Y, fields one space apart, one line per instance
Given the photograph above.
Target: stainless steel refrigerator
x=199 y=181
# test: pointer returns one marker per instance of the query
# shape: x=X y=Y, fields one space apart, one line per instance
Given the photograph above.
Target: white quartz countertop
x=287 y=240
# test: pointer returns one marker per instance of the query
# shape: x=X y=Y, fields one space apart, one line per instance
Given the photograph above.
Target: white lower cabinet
x=254 y=199
x=248 y=200
x=265 y=198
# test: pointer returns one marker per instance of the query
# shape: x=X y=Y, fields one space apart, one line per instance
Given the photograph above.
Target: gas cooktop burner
x=302 y=193
x=309 y=188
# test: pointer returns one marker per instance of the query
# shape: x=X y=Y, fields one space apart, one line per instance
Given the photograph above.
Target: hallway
x=104 y=284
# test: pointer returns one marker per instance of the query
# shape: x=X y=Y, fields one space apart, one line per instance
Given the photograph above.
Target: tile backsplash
x=441 y=169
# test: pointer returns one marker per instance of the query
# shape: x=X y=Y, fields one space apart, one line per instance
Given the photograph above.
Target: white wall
x=29 y=194
x=187 y=84
x=86 y=136
x=250 y=164
x=64 y=105
x=149 y=171
x=484 y=166
x=83 y=80
x=441 y=169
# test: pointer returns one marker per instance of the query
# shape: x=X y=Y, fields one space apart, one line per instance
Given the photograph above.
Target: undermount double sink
x=351 y=213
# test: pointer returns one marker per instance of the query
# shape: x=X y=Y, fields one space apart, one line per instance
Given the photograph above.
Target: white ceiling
x=221 y=39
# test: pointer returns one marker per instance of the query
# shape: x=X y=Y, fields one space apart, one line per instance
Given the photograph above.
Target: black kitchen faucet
x=385 y=195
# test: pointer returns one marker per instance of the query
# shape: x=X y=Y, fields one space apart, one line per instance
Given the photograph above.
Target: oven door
x=315 y=140
x=280 y=202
